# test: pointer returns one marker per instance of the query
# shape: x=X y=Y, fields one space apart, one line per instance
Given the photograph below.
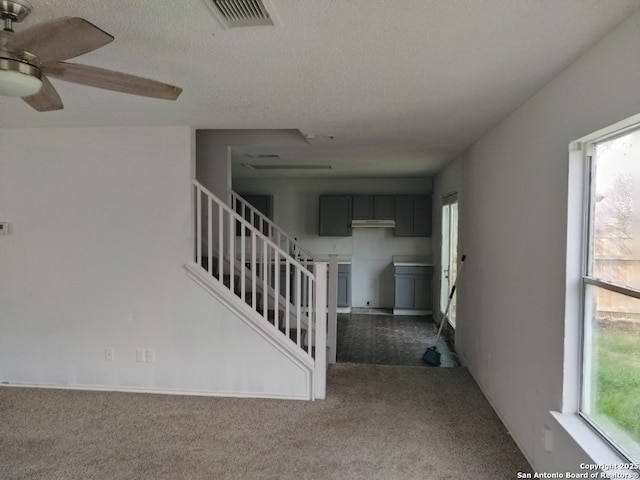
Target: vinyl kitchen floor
x=385 y=339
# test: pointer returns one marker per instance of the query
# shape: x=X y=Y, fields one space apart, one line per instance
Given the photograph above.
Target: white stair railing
x=256 y=269
x=270 y=229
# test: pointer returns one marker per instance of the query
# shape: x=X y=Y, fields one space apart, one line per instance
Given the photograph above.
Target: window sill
x=595 y=447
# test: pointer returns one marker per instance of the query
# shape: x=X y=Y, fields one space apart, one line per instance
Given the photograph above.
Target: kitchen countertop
x=412 y=261
x=343 y=259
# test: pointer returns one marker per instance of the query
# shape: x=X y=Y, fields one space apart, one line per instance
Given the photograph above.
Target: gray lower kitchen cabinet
x=413 y=288
x=422 y=292
x=344 y=285
x=293 y=278
x=335 y=216
x=404 y=290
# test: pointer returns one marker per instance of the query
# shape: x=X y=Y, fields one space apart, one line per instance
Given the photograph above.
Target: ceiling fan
x=29 y=56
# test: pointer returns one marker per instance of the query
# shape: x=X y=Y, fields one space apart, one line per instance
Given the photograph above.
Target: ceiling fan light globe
x=18 y=79
x=17 y=84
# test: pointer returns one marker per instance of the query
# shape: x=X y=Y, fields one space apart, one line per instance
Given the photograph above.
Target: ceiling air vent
x=289 y=166
x=241 y=13
x=263 y=155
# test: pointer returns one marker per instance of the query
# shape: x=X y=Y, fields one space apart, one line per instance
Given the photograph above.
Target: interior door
x=449 y=254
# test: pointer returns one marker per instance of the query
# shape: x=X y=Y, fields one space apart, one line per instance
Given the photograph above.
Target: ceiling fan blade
x=111 y=80
x=58 y=39
x=47 y=99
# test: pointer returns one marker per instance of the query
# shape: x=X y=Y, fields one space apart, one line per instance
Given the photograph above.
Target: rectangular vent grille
x=263 y=155
x=243 y=13
x=289 y=167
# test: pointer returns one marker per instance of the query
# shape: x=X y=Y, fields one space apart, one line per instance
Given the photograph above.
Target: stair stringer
x=255 y=321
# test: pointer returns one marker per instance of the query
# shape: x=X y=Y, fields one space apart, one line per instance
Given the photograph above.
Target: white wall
x=513 y=226
x=213 y=154
x=101 y=227
x=296 y=211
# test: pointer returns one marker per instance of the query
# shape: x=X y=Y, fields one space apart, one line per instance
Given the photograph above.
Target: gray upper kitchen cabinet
x=362 y=207
x=384 y=207
x=404 y=216
x=369 y=207
x=422 y=215
x=335 y=216
x=413 y=215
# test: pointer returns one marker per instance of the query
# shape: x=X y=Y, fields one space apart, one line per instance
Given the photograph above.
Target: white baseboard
x=155 y=391
x=403 y=311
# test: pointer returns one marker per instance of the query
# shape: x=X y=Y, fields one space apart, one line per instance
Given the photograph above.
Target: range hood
x=373 y=224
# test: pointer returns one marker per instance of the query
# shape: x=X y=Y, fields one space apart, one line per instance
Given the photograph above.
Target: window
x=610 y=380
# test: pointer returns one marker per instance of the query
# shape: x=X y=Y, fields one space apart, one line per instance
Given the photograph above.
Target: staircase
x=272 y=313
x=268 y=280
x=270 y=229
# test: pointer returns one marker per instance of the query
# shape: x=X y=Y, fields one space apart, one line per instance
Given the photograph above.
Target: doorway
x=449 y=250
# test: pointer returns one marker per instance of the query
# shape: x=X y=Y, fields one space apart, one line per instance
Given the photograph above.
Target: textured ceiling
x=387 y=86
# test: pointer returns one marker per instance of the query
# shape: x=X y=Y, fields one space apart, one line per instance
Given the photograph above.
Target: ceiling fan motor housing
x=14 y=10
x=30 y=56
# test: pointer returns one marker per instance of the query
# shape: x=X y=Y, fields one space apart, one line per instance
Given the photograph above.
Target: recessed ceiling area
x=375 y=87
x=338 y=160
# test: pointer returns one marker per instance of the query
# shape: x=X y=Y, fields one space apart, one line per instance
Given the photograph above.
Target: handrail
x=243 y=221
x=251 y=262
x=280 y=234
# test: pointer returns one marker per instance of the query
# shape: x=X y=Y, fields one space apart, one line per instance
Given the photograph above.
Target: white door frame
x=448 y=252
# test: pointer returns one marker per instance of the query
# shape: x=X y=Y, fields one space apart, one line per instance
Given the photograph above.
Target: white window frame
x=585 y=435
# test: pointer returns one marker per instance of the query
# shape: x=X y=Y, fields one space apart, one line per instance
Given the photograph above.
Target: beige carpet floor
x=378 y=422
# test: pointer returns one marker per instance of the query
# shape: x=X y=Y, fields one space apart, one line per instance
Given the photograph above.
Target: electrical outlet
x=141 y=355
x=151 y=355
x=108 y=354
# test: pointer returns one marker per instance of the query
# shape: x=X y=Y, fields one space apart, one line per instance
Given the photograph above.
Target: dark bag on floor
x=432 y=356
